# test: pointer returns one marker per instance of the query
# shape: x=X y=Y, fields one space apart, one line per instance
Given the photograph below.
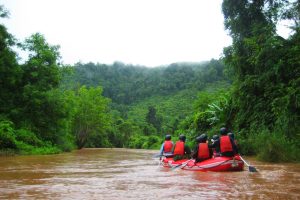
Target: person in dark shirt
x=225 y=146
x=202 y=150
x=213 y=140
x=181 y=150
x=231 y=135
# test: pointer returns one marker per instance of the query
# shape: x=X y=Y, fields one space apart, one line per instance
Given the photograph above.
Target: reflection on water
x=134 y=174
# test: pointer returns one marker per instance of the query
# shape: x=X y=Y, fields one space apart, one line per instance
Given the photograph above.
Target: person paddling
x=225 y=146
x=166 y=147
x=181 y=150
x=213 y=140
x=202 y=151
x=231 y=135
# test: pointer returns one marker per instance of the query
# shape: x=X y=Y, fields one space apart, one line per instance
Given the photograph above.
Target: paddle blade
x=252 y=169
x=182 y=165
x=176 y=167
x=161 y=155
x=156 y=155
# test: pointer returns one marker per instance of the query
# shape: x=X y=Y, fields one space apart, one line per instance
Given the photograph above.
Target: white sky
x=146 y=32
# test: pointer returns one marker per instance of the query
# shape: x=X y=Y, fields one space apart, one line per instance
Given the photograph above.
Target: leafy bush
x=137 y=142
x=145 y=142
x=45 y=150
x=26 y=149
x=153 y=142
x=28 y=137
x=97 y=139
x=275 y=147
x=201 y=120
x=66 y=142
x=22 y=141
x=7 y=135
x=246 y=146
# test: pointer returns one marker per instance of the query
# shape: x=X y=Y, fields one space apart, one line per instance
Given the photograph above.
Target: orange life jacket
x=179 y=148
x=225 y=144
x=203 y=151
x=168 y=145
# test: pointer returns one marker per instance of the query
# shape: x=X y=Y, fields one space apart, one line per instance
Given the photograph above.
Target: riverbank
x=49 y=150
x=30 y=151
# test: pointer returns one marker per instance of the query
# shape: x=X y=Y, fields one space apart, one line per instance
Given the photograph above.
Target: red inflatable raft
x=217 y=164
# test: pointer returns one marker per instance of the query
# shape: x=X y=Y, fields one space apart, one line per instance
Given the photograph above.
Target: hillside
x=127 y=84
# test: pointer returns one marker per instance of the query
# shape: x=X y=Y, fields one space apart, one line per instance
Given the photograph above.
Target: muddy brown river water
x=133 y=174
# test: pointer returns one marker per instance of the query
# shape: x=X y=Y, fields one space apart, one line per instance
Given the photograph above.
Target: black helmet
x=168 y=137
x=198 y=139
x=182 y=138
x=223 y=131
x=203 y=137
x=231 y=135
x=215 y=137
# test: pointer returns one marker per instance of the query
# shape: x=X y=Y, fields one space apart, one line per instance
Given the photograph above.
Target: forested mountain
x=126 y=84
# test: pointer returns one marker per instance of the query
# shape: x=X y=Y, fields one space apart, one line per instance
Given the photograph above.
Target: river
x=117 y=174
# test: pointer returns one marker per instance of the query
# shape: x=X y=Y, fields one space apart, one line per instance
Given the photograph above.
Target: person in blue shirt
x=166 y=147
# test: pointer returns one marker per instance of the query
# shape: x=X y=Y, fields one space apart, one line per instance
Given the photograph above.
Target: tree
x=266 y=66
x=42 y=107
x=91 y=114
x=10 y=72
x=42 y=68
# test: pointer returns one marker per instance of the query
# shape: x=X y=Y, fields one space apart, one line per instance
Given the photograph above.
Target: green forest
x=253 y=89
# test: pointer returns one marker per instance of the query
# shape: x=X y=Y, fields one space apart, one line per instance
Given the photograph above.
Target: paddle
x=182 y=165
x=159 y=155
x=156 y=155
x=251 y=168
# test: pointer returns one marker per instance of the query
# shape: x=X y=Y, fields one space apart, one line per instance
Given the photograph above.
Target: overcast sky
x=145 y=32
